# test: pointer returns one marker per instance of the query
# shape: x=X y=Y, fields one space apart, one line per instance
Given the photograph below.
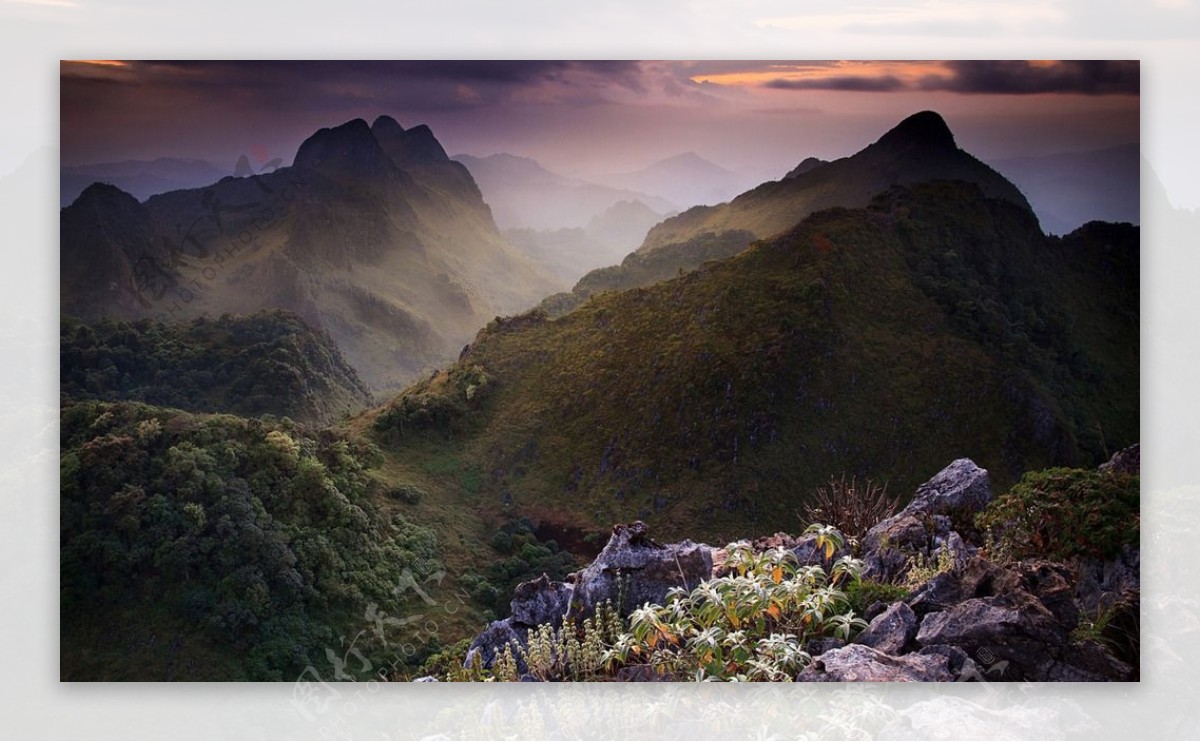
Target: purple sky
x=587 y=118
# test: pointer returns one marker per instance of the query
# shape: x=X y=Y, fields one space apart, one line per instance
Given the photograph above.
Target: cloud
x=853 y=83
x=1020 y=77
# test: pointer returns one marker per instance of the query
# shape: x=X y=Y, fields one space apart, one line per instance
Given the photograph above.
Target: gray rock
x=962 y=666
x=491 y=642
x=1125 y=461
x=540 y=601
x=649 y=569
x=858 y=663
x=961 y=488
x=891 y=630
x=426 y=679
x=947 y=501
x=1090 y=662
x=821 y=645
x=1101 y=583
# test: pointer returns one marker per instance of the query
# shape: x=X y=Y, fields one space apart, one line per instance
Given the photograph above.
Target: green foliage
x=522 y=556
x=263 y=539
x=438 y=405
x=1064 y=513
x=265 y=363
x=923 y=569
x=712 y=404
x=862 y=594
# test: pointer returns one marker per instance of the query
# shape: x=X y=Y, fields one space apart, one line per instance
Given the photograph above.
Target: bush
x=1063 y=513
x=852 y=507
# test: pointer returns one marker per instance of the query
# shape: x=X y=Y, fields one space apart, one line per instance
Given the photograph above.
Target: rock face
x=927 y=524
x=1125 y=461
x=649 y=569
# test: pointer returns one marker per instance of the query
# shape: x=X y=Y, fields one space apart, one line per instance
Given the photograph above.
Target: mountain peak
x=105 y=195
x=386 y=126
x=924 y=129
x=408 y=147
x=349 y=150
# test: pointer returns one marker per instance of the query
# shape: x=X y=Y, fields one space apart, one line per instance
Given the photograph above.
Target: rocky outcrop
x=1125 y=461
x=632 y=567
x=941 y=508
x=648 y=570
x=1033 y=620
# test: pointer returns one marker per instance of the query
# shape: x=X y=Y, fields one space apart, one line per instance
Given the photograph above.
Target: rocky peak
x=344 y=152
x=808 y=164
x=415 y=146
x=927 y=130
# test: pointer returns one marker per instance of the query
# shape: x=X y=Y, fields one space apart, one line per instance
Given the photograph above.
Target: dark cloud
x=1019 y=77
x=852 y=83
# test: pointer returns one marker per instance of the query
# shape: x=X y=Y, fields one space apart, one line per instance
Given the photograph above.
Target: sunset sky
x=587 y=118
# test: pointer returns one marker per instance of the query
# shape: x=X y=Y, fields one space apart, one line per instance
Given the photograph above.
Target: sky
x=590 y=118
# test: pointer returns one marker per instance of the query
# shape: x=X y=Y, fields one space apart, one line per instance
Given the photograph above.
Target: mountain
x=373 y=235
x=570 y=253
x=686 y=179
x=139 y=178
x=920 y=148
x=882 y=341
x=1070 y=189
x=266 y=363
x=525 y=195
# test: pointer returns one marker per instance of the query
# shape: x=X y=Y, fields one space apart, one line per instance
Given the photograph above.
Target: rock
x=540 y=601
x=1089 y=661
x=1125 y=461
x=821 y=645
x=1101 y=583
x=960 y=488
x=891 y=630
x=489 y=644
x=1018 y=644
x=426 y=679
x=858 y=663
x=962 y=666
x=938 y=594
x=649 y=569
x=926 y=525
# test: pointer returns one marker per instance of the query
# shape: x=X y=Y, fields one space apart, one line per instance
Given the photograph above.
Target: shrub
x=1063 y=513
x=852 y=507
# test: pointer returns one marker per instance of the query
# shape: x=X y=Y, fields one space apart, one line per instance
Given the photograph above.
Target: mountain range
x=373 y=235
x=874 y=316
x=525 y=195
x=139 y=178
x=919 y=149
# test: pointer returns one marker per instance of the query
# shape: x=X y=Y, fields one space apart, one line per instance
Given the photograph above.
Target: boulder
x=491 y=642
x=858 y=663
x=540 y=601
x=946 y=503
x=821 y=645
x=1125 y=461
x=891 y=630
x=648 y=569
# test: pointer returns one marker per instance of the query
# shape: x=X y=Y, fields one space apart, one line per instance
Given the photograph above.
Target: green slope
x=266 y=363
x=884 y=342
